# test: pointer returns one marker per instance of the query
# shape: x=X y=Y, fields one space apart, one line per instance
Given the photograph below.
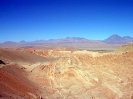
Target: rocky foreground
x=66 y=74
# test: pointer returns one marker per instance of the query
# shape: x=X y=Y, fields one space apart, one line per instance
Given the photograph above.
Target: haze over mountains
x=116 y=39
x=68 y=68
x=72 y=42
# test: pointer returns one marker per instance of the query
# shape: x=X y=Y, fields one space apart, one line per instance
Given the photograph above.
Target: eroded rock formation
x=73 y=75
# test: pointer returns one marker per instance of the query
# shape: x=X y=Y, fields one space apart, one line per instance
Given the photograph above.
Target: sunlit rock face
x=86 y=75
x=74 y=75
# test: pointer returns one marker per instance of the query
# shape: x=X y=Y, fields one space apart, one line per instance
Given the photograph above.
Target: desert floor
x=66 y=73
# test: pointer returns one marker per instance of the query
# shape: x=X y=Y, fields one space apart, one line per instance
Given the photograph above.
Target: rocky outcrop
x=83 y=76
x=125 y=48
x=73 y=75
x=1 y=62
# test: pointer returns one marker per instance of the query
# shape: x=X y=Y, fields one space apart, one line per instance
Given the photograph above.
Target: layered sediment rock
x=76 y=75
x=83 y=76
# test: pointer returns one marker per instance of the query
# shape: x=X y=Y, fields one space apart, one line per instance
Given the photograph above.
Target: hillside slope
x=74 y=75
x=21 y=57
x=125 y=48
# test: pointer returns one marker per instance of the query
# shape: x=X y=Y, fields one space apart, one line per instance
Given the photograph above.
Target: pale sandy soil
x=73 y=75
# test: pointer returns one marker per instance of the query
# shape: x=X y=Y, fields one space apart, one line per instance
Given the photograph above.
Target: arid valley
x=66 y=49
x=63 y=73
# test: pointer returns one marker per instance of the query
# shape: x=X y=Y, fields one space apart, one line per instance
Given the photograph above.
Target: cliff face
x=77 y=75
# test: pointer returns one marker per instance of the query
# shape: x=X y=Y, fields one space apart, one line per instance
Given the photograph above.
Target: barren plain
x=62 y=73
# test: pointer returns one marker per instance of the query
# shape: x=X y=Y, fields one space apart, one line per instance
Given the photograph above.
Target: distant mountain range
x=72 y=42
x=116 y=39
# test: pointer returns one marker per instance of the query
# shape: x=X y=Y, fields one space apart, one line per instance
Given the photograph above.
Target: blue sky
x=31 y=20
